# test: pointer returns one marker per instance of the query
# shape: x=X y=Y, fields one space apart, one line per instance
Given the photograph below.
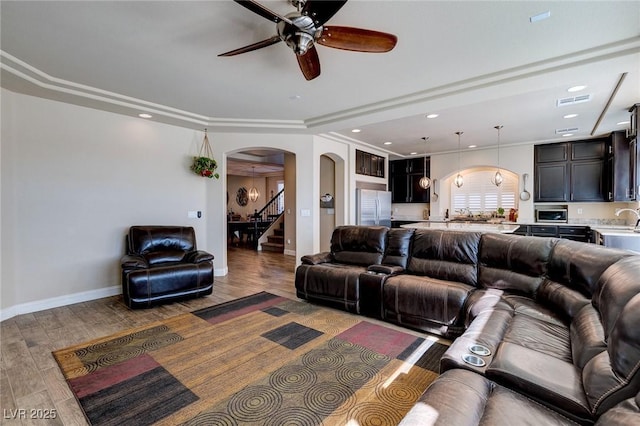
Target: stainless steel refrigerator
x=373 y=207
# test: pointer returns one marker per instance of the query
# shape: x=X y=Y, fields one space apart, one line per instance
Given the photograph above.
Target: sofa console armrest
x=199 y=256
x=133 y=261
x=386 y=269
x=314 y=259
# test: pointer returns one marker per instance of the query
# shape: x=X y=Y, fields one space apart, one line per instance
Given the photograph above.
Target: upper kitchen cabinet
x=634 y=152
x=404 y=179
x=570 y=171
x=618 y=168
x=369 y=164
x=551 y=172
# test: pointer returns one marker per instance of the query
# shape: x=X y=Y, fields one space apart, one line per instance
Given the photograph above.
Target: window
x=479 y=195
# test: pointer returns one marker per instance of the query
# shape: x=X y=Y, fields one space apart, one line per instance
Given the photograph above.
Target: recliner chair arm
x=314 y=259
x=133 y=261
x=198 y=256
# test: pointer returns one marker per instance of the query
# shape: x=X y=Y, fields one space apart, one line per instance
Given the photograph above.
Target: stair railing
x=268 y=214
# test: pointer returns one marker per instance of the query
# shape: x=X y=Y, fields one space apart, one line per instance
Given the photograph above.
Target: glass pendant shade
x=497 y=179
x=254 y=194
x=425 y=182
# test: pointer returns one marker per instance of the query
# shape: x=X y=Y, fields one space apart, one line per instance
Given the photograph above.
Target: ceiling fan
x=304 y=27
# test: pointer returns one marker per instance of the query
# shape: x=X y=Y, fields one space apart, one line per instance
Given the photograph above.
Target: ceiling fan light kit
x=303 y=28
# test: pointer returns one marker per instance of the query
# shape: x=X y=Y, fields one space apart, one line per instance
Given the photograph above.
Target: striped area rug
x=259 y=360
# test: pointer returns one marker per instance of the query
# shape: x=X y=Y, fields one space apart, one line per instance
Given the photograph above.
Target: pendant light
x=253 y=192
x=425 y=182
x=459 y=180
x=497 y=179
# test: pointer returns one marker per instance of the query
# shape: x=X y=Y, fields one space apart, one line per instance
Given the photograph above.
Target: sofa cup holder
x=473 y=360
x=479 y=350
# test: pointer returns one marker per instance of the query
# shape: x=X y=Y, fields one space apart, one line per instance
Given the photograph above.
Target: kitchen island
x=465 y=226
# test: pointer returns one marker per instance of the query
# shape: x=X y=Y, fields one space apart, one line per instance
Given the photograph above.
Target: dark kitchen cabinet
x=551 y=182
x=404 y=181
x=619 y=185
x=369 y=164
x=588 y=170
x=586 y=181
x=634 y=163
x=576 y=233
x=552 y=153
x=570 y=171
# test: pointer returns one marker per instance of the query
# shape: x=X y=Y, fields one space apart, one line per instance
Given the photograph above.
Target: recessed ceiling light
x=576 y=88
x=473 y=146
x=295 y=97
x=412 y=153
x=388 y=143
x=145 y=115
x=623 y=123
x=567 y=134
x=571 y=116
x=432 y=115
x=356 y=131
x=540 y=16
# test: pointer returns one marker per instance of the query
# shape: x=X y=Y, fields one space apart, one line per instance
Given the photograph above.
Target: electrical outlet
x=579 y=211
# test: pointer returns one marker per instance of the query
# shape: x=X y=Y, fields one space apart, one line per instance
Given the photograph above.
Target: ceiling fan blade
x=263 y=11
x=357 y=39
x=309 y=63
x=322 y=10
x=254 y=46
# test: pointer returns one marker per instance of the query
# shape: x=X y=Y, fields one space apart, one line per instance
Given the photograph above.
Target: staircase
x=275 y=242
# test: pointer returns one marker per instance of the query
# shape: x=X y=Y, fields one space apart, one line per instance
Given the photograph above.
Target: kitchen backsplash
x=579 y=213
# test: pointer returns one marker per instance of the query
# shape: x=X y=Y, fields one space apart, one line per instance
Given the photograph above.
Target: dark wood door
x=399 y=188
x=551 y=182
x=620 y=187
x=551 y=153
x=586 y=181
x=588 y=150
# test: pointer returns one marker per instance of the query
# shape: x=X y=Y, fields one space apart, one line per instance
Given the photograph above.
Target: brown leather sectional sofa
x=555 y=323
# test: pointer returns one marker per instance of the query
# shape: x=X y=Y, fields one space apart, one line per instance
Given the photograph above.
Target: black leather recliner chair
x=163 y=265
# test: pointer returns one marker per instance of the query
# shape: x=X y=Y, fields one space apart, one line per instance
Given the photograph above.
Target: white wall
x=73 y=180
x=517 y=159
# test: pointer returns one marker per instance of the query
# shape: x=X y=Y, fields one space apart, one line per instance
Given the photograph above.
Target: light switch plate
x=305 y=212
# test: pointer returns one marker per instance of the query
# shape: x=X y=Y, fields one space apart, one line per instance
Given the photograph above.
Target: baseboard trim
x=290 y=252
x=220 y=272
x=56 y=302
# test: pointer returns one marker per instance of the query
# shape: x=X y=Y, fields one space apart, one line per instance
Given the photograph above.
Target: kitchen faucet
x=635 y=211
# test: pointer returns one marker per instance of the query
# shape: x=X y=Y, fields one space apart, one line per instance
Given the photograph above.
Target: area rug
x=259 y=360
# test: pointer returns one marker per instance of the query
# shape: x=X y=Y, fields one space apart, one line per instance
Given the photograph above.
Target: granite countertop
x=464 y=226
x=626 y=231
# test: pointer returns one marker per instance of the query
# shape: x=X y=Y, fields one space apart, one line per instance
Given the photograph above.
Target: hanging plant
x=204 y=165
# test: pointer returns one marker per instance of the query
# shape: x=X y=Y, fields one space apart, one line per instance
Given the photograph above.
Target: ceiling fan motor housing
x=301 y=35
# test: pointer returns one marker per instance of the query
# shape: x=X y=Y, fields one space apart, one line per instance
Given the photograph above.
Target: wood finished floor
x=29 y=376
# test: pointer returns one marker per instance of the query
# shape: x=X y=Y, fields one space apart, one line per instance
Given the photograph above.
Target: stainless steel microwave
x=551 y=215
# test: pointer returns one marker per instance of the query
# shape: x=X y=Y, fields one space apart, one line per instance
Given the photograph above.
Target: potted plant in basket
x=204 y=165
